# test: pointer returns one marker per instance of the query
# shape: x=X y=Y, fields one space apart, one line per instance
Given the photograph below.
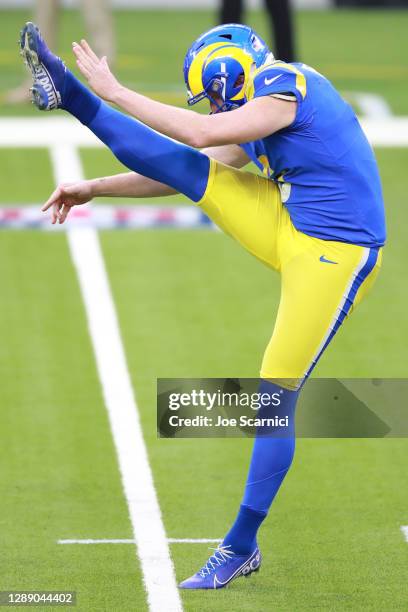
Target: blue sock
x=137 y=146
x=271 y=459
x=79 y=100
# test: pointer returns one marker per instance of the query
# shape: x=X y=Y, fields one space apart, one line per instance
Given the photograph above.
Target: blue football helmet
x=219 y=63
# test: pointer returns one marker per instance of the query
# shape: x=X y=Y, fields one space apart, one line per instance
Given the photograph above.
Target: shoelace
x=220 y=556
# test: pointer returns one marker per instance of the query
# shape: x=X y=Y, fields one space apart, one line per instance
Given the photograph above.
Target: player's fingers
x=104 y=61
x=81 y=49
x=83 y=57
x=55 y=213
x=88 y=61
x=64 y=213
x=83 y=69
x=88 y=50
x=54 y=197
x=77 y=49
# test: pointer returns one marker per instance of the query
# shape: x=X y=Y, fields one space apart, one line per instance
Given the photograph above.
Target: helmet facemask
x=218 y=66
x=223 y=80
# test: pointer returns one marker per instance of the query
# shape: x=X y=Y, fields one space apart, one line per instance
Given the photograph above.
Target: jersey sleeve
x=283 y=81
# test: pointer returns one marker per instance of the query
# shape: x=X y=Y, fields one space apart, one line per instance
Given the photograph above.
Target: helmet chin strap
x=227 y=106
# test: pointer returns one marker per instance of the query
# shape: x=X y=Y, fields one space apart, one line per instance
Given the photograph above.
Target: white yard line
x=101 y=541
x=194 y=540
x=404 y=530
x=371 y=105
x=137 y=479
x=46 y=131
x=126 y=541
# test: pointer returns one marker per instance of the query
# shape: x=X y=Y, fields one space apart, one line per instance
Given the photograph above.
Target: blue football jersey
x=322 y=162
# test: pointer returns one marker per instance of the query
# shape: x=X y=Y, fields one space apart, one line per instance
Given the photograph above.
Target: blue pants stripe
x=358 y=281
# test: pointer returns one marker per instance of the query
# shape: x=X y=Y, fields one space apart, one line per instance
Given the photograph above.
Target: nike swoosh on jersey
x=269 y=81
x=324 y=260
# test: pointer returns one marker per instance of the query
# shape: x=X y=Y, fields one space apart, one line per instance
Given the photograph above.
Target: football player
x=316 y=216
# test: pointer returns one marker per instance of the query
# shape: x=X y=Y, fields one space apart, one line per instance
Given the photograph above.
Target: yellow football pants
x=321 y=280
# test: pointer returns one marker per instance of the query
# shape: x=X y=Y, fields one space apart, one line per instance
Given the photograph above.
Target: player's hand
x=96 y=71
x=65 y=197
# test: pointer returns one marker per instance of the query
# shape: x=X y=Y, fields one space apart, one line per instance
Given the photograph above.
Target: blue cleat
x=223 y=567
x=48 y=70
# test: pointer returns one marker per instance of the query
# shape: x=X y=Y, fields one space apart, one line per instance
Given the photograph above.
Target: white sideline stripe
x=46 y=131
x=404 y=530
x=194 y=540
x=126 y=541
x=137 y=479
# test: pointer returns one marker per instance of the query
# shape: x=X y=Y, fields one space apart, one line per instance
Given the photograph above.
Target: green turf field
x=193 y=304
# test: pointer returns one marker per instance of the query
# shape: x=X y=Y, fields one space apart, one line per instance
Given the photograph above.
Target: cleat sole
x=37 y=99
x=28 y=45
x=43 y=93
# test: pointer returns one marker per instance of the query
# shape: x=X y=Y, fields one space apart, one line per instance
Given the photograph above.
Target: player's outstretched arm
x=125 y=185
x=256 y=119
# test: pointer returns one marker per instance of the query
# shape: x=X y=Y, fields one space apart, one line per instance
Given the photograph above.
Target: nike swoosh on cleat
x=324 y=260
x=230 y=579
x=269 y=81
x=237 y=571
